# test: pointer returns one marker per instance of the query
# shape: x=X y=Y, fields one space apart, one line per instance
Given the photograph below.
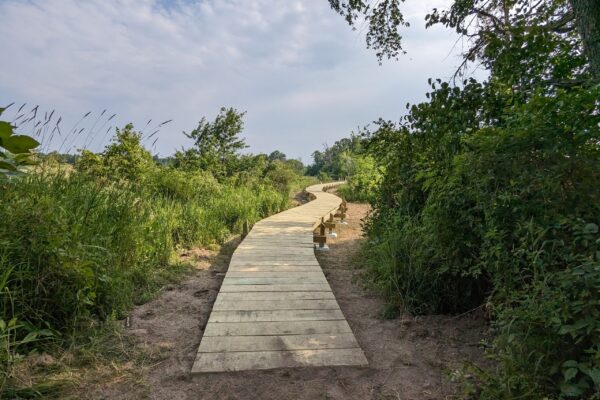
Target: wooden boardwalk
x=275 y=308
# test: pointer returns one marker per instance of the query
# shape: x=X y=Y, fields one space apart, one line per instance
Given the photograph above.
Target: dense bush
x=335 y=162
x=363 y=179
x=506 y=216
x=490 y=195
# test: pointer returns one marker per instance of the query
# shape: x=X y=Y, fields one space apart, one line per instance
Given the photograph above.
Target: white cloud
x=301 y=73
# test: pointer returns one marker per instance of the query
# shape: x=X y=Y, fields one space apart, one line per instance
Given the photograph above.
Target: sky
x=304 y=78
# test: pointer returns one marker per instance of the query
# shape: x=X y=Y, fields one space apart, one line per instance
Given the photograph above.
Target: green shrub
x=184 y=185
x=281 y=176
x=77 y=247
x=504 y=216
x=364 y=177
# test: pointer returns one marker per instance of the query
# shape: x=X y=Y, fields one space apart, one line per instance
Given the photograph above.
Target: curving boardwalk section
x=275 y=308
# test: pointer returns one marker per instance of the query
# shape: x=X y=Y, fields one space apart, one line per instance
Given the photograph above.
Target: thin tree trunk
x=587 y=15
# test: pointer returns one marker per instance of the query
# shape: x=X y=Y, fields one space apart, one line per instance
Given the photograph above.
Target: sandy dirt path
x=409 y=357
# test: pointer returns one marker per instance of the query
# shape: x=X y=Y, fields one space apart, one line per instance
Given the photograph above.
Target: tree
x=587 y=14
x=488 y=195
x=277 y=155
x=124 y=158
x=384 y=19
x=333 y=160
x=217 y=143
x=486 y=24
x=296 y=165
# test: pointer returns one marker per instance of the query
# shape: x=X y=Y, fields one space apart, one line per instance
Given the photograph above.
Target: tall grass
x=75 y=248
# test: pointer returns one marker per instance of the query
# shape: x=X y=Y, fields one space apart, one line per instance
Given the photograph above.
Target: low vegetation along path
x=275 y=308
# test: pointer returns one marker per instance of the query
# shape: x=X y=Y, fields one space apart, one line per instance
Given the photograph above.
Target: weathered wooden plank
x=274 y=262
x=274 y=315
x=287 y=304
x=238 y=361
x=275 y=274
x=276 y=328
x=251 y=296
x=307 y=287
x=275 y=268
x=280 y=250
x=263 y=239
x=275 y=245
x=272 y=257
x=292 y=280
x=215 y=344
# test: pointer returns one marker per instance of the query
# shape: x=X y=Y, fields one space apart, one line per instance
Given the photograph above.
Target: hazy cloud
x=300 y=72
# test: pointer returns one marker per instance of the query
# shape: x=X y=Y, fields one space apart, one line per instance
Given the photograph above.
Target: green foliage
x=17 y=148
x=503 y=215
x=554 y=324
x=335 y=161
x=324 y=177
x=364 y=177
x=125 y=158
x=85 y=244
x=277 y=155
x=384 y=19
x=281 y=175
x=216 y=144
x=88 y=243
x=184 y=185
x=347 y=159
x=489 y=197
x=521 y=33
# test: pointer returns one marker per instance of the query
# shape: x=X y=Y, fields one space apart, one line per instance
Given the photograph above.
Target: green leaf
x=595 y=375
x=570 y=373
x=25 y=159
x=22 y=157
x=31 y=336
x=7 y=166
x=592 y=373
x=4 y=278
x=6 y=129
x=590 y=228
x=570 y=390
x=19 y=144
x=2 y=325
x=570 y=364
x=578 y=325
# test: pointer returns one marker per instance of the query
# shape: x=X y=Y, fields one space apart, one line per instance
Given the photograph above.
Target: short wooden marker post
x=321 y=238
x=330 y=225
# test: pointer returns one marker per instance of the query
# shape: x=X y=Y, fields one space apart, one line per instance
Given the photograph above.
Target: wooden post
x=331 y=224
x=245 y=229
x=341 y=212
x=321 y=238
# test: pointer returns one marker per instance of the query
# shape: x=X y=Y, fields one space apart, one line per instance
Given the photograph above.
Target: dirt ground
x=409 y=357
